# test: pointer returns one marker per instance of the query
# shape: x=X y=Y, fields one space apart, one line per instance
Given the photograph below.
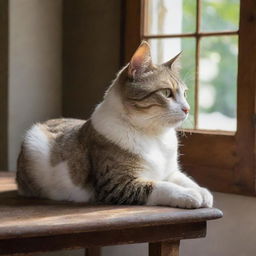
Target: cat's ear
x=174 y=63
x=141 y=61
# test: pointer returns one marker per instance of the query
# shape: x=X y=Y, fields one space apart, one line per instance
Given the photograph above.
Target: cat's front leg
x=126 y=189
x=170 y=194
x=183 y=180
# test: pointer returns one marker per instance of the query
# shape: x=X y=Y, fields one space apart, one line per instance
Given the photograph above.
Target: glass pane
x=220 y=15
x=169 y=16
x=218 y=77
x=164 y=49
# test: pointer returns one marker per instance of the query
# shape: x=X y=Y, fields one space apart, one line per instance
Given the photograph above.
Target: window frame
x=222 y=161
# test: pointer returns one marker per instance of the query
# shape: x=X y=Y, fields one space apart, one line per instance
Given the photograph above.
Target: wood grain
x=208 y=150
x=46 y=217
x=34 y=225
x=246 y=97
x=54 y=221
x=167 y=232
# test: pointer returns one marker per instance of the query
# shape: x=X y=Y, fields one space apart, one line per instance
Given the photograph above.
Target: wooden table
x=32 y=225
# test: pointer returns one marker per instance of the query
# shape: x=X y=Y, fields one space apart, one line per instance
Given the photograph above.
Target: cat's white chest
x=160 y=156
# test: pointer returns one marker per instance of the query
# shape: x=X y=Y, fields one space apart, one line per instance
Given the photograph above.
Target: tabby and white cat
x=126 y=153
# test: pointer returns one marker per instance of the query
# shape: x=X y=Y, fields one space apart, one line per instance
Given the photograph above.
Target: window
x=218 y=149
x=207 y=32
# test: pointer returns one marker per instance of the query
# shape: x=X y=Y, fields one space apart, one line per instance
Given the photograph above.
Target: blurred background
x=63 y=54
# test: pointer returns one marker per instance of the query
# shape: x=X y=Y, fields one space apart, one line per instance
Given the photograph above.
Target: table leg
x=164 y=248
x=93 y=251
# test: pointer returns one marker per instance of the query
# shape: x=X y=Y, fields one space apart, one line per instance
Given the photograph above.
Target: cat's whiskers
x=160 y=116
x=189 y=119
x=156 y=116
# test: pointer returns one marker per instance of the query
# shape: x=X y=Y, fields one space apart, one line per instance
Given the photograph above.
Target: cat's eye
x=185 y=94
x=167 y=93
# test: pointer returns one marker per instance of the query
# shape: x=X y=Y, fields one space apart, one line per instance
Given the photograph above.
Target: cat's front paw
x=190 y=199
x=207 y=197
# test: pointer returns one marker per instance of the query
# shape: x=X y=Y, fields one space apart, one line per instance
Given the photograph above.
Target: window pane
x=218 y=76
x=164 y=49
x=220 y=15
x=169 y=16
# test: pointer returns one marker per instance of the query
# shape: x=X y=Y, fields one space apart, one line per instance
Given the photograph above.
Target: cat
x=126 y=153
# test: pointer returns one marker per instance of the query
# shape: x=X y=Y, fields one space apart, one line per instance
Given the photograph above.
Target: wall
x=91 y=52
x=34 y=67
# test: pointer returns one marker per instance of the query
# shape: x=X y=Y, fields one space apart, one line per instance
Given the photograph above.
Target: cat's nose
x=185 y=110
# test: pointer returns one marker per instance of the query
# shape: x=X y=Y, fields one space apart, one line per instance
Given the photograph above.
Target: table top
x=25 y=217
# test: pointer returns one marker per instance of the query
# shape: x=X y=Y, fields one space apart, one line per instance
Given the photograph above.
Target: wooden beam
x=246 y=97
x=196 y=35
x=169 y=232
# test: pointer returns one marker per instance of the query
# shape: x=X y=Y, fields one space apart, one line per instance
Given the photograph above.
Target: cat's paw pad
x=207 y=197
x=190 y=199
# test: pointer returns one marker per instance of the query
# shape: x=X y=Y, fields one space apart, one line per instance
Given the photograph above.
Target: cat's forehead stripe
x=173 y=82
x=177 y=82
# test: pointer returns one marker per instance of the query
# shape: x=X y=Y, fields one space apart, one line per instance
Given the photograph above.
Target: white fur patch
x=159 y=152
x=170 y=194
x=55 y=182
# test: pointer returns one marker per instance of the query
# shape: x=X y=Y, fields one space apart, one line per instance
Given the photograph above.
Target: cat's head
x=152 y=95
